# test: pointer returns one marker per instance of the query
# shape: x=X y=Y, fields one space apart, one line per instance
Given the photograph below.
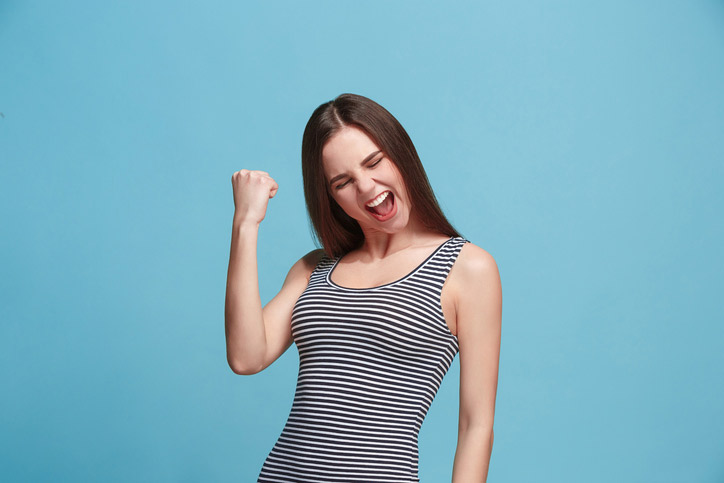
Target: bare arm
x=256 y=336
x=479 y=314
x=245 y=331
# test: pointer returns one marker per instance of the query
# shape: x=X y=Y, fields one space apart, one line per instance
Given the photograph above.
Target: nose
x=366 y=186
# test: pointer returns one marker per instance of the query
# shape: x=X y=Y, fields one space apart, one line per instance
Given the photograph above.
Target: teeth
x=378 y=200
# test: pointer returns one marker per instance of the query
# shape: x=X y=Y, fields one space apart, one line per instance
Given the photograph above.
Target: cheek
x=395 y=174
x=344 y=200
x=401 y=185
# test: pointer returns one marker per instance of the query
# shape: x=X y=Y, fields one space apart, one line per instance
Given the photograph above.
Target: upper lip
x=375 y=197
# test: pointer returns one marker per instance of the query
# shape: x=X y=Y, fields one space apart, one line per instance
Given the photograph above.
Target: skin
x=471 y=296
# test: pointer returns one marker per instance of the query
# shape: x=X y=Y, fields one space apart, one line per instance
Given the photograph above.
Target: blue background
x=580 y=143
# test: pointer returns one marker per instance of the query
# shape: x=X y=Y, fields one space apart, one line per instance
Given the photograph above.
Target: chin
x=397 y=225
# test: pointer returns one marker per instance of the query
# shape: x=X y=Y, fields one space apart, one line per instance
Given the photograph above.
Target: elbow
x=244 y=363
x=244 y=369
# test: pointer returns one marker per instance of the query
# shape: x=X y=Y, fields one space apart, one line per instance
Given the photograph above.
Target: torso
x=353 y=273
x=373 y=351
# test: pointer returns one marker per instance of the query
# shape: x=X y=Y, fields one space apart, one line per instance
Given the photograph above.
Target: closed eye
x=339 y=186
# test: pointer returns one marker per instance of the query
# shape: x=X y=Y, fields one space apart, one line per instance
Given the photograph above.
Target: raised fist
x=252 y=191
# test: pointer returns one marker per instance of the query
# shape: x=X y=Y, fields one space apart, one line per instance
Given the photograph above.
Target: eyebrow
x=340 y=176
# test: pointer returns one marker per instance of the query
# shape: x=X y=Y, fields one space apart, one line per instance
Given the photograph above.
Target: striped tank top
x=371 y=361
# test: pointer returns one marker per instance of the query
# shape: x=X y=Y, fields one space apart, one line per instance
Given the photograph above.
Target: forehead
x=348 y=147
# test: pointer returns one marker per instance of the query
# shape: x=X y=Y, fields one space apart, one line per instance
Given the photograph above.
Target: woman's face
x=357 y=173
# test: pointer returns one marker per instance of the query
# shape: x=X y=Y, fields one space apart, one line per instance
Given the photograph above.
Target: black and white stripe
x=371 y=361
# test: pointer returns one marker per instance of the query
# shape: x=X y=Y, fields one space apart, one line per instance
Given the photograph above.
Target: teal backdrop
x=580 y=143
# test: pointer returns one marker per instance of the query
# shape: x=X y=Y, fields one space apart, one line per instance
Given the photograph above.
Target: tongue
x=385 y=207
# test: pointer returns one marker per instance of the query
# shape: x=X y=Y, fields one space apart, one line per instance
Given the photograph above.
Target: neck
x=379 y=244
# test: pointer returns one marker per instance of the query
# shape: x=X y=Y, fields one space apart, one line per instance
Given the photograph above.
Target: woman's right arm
x=256 y=337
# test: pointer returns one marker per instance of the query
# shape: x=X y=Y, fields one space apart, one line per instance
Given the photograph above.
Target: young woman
x=378 y=314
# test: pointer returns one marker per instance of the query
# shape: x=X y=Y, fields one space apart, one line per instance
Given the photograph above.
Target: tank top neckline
x=328 y=277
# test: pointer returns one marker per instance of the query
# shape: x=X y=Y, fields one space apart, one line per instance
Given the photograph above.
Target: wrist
x=244 y=225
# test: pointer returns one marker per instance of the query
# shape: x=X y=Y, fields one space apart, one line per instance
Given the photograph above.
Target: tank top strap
x=323 y=266
x=437 y=268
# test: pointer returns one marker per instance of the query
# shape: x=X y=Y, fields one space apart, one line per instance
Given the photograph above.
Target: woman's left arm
x=479 y=305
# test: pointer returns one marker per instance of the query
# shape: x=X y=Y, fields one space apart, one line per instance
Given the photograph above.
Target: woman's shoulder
x=473 y=265
x=314 y=256
x=304 y=267
x=476 y=291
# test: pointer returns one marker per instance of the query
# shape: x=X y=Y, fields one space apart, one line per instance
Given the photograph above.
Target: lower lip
x=388 y=215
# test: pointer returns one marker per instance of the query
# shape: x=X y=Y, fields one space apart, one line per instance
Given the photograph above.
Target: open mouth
x=384 y=206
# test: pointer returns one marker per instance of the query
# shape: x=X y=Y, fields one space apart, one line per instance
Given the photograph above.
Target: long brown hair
x=337 y=232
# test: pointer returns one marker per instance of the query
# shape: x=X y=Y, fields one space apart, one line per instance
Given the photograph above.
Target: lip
x=375 y=196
